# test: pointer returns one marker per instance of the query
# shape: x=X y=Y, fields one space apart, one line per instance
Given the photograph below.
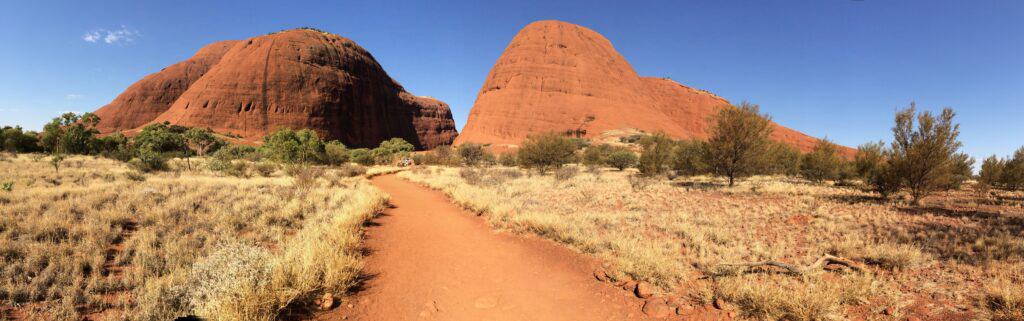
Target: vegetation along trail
x=430 y=260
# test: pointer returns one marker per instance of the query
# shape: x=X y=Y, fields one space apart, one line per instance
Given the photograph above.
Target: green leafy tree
x=471 y=154
x=923 y=155
x=738 y=141
x=389 y=149
x=288 y=146
x=655 y=154
x=869 y=159
x=335 y=153
x=963 y=170
x=546 y=151
x=16 y=140
x=991 y=171
x=199 y=141
x=361 y=156
x=780 y=159
x=70 y=134
x=160 y=138
x=688 y=158
x=822 y=163
x=621 y=159
x=1013 y=172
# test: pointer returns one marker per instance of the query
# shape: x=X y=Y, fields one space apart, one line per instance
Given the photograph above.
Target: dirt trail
x=430 y=260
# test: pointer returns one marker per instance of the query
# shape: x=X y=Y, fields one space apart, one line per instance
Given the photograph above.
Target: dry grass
x=179 y=242
x=676 y=234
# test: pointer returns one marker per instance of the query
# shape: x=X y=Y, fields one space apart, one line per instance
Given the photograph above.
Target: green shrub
x=71 y=134
x=288 y=146
x=823 y=163
x=1012 y=176
x=7 y=186
x=508 y=159
x=738 y=142
x=962 y=170
x=471 y=154
x=688 y=158
x=621 y=159
x=389 y=149
x=265 y=168
x=161 y=138
x=656 y=155
x=335 y=153
x=780 y=159
x=117 y=147
x=546 y=151
x=16 y=140
x=923 y=155
x=361 y=156
x=991 y=171
x=148 y=160
x=869 y=159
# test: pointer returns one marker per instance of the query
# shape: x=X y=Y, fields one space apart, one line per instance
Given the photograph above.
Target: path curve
x=431 y=260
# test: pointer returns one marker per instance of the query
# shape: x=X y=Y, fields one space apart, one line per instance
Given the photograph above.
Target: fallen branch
x=793 y=269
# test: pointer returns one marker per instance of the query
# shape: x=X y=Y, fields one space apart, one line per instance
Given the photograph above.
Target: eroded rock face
x=308 y=79
x=154 y=94
x=557 y=77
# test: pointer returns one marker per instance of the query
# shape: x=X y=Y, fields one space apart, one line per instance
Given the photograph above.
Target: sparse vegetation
x=656 y=154
x=545 y=152
x=923 y=157
x=738 y=141
x=823 y=163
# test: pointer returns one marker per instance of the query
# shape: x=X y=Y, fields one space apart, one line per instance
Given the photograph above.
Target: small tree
x=55 y=160
x=508 y=159
x=335 y=153
x=546 y=151
x=621 y=159
x=655 y=154
x=991 y=171
x=962 y=170
x=688 y=158
x=738 y=140
x=922 y=156
x=444 y=154
x=1012 y=175
x=288 y=146
x=198 y=141
x=361 y=156
x=780 y=159
x=389 y=149
x=823 y=163
x=70 y=134
x=471 y=154
x=16 y=140
x=869 y=159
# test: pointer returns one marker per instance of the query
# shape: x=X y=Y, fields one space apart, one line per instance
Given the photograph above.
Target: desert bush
x=6 y=186
x=472 y=176
x=597 y=155
x=546 y=151
x=621 y=159
x=445 y=155
x=389 y=149
x=565 y=173
x=688 y=158
x=1004 y=298
x=962 y=170
x=361 y=156
x=892 y=256
x=738 y=141
x=70 y=134
x=161 y=138
x=201 y=141
x=1012 y=176
x=822 y=163
x=148 y=160
x=471 y=154
x=656 y=154
x=56 y=160
x=233 y=283
x=288 y=146
x=335 y=153
x=117 y=147
x=265 y=168
x=639 y=182
x=923 y=157
x=508 y=158
x=350 y=170
x=16 y=140
x=869 y=159
x=991 y=171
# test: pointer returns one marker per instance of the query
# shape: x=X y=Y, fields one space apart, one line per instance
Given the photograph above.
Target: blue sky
x=828 y=68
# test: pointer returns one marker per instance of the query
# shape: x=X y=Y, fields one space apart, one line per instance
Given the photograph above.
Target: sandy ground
x=430 y=260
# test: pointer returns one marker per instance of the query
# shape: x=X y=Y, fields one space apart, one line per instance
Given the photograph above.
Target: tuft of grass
x=1004 y=299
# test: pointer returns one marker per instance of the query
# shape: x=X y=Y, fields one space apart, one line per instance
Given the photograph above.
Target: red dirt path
x=430 y=260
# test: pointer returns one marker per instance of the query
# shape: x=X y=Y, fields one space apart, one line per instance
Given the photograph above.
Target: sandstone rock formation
x=305 y=78
x=557 y=76
x=154 y=94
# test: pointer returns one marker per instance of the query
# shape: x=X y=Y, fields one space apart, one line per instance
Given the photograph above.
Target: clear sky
x=835 y=68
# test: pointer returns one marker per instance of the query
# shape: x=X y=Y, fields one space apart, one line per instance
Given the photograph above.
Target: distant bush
x=1012 y=176
x=991 y=171
x=566 y=173
x=361 y=156
x=923 y=157
x=546 y=151
x=870 y=157
x=471 y=154
x=288 y=146
x=148 y=160
x=335 y=153
x=16 y=140
x=6 y=186
x=656 y=154
x=265 y=168
x=738 y=142
x=688 y=158
x=822 y=163
x=161 y=138
x=70 y=134
x=508 y=159
x=780 y=159
x=350 y=170
x=472 y=176
x=961 y=171
x=621 y=159
x=390 y=149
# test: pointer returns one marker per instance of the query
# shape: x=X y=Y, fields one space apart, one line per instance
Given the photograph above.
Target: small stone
x=675 y=302
x=326 y=301
x=889 y=311
x=629 y=286
x=644 y=290
x=656 y=309
x=683 y=310
x=601 y=275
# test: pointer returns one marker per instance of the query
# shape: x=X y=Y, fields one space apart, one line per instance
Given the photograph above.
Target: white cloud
x=123 y=35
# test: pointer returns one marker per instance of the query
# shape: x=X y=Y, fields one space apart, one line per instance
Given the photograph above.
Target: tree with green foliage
x=655 y=154
x=161 y=138
x=869 y=159
x=508 y=158
x=386 y=152
x=738 y=141
x=289 y=146
x=688 y=157
x=546 y=151
x=621 y=159
x=198 y=141
x=598 y=155
x=116 y=146
x=16 y=140
x=471 y=154
x=923 y=155
x=1013 y=172
x=55 y=160
x=70 y=134
x=780 y=159
x=991 y=171
x=822 y=163
x=335 y=153
x=962 y=170
x=361 y=156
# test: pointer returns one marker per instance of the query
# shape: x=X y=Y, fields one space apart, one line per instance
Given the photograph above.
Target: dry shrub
x=304 y=177
x=234 y=283
x=351 y=170
x=265 y=169
x=639 y=182
x=472 y=176
x=893 y=256
x=1004 y=298
x=783 y=297
x=565 y=173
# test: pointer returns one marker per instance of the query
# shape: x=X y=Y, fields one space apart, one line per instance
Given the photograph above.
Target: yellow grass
x=223 y=248
x=677 y=234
